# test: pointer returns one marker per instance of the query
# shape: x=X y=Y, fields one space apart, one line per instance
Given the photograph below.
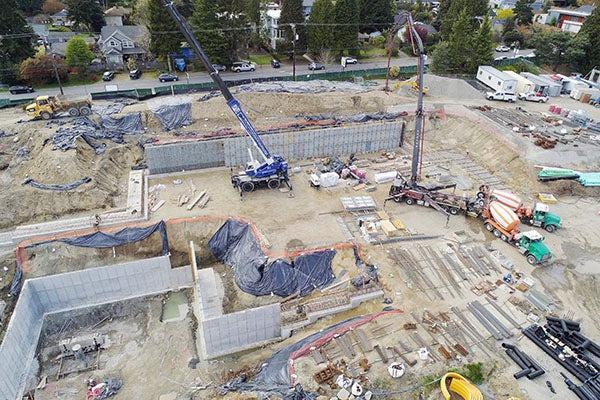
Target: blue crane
x=273 y=169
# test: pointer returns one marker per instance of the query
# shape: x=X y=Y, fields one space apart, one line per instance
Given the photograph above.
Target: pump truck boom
x=273 y=169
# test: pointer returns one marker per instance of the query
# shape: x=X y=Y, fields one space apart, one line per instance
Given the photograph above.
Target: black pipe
x=536 y=373
x=522 y=373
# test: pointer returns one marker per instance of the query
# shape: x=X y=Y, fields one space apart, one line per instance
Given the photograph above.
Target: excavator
x=272 y=171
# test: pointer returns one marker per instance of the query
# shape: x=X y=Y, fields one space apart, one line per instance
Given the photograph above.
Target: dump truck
x=539 y=215
x=504 y=223
x=48 y=107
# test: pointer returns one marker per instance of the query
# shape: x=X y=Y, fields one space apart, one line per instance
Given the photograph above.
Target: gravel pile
x=450 y=87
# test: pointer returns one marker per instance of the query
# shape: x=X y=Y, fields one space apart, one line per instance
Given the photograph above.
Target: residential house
x=270 y=18
x=115 y=16
x=61 y=18
x=569 y=19
x=56 y=42
x=119 y=43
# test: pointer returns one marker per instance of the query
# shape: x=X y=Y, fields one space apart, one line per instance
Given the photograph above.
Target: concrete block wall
x=79 y=289
x=292 y=145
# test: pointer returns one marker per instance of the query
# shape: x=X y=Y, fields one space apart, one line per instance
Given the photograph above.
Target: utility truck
x=48 y=107
x=504 y=224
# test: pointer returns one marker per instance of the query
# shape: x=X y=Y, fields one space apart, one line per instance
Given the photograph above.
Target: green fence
x=14 y=102
x=512 y=61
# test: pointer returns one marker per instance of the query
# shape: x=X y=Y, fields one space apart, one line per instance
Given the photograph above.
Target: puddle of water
x=175 y=308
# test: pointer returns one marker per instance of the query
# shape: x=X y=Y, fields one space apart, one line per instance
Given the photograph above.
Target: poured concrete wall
x=221 y=334
x=292 y=145
x=79 y=289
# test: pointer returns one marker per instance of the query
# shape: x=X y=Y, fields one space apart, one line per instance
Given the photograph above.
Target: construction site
x=302 y=240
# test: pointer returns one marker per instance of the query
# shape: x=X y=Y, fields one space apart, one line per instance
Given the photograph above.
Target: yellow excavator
x=414 y=86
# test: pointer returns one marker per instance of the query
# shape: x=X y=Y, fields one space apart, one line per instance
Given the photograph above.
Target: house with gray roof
x=119 y=43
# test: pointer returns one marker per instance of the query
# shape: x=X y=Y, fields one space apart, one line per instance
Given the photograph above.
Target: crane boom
x=401 y=19
x=232 y=102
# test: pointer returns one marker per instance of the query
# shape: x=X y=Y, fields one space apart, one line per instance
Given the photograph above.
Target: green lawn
x=372 y=52
x=261 y=59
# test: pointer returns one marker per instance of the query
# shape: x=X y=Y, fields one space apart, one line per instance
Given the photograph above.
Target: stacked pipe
x=530 y=368
x=561 y=339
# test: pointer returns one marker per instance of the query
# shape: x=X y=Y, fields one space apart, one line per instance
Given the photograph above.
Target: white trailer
x=544 y=86
x=524 y=85
x=497 y=80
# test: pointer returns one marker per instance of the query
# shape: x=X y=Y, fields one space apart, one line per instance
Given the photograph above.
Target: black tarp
x=101 y=240
x=59 y=187
x=174 y=116
x=235 y=245
x=128 y=124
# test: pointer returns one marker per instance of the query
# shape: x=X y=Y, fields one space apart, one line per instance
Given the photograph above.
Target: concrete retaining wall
x=79 y=289
x=292 y=145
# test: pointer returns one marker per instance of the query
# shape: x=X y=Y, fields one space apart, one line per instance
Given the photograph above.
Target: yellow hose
x=460 y=386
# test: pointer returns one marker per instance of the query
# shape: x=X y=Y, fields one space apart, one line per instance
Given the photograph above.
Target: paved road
x=514 y=54
x=123 y=82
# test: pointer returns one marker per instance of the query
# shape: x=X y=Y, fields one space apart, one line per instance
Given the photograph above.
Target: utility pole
x=57 y=75
x=294 y=38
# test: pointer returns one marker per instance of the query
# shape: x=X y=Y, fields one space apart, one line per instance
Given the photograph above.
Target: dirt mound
x=450 y=87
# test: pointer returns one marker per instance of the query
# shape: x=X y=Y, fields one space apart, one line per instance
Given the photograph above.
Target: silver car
x=243 y=67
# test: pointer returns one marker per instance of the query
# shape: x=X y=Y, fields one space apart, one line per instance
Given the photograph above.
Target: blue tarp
x=235 y=245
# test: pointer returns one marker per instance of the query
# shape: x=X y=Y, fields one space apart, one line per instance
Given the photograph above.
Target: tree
x=206 y=26
x=483 y=47
x=347 y=19
x=505 y=14
x=512 y=37
x=13 y=49
x=375 y=15
x=591 y=30
x=235 y=26
x=523 y=11
x=39 y=70
x=292 y=13
x=78 y=53
x=461 y=43
x=451 y=9
x=321 y=34
x=441 y=58
x=86 y=14
x=421 y=31
x=555 y=47
x=30 y=7
x=164 y=33
x=52 y=7
x=509 y=26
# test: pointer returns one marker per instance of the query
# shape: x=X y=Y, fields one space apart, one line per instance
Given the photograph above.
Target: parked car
x=135 y=73
x=533 y=96
x=313 y=66
x=108 y=76
x=349 y=60
x=503 y=49
x=168 y=77
x=275 y=63
x=219 y=67
x=243 y=66
x=20 y=89
x=510 y=97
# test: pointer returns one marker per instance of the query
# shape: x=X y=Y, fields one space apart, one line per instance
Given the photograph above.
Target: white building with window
x=270 y=18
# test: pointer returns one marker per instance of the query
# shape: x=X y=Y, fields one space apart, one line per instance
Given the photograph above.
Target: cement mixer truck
x=538 y=215
x=504 y=223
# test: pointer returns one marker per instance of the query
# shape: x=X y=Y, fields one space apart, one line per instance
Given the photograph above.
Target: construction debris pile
x=316 y=86
x=235 y=245
x=563 y=341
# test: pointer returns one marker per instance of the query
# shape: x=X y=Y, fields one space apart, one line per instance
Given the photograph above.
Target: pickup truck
x=532 y=96
x=510 y=97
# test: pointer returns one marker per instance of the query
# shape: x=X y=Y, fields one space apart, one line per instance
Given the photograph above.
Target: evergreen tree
x=523 y=11
x=30 y=7
x=13 y=49
x=86 y=14
x=320 y=34
x=461 y=42
x=509 y=26
x=206 y=28
x=347 y=18
x=451 y=11
x=235 y=27
x=376 y=15
x=483 y=47
x=292 y=13
x=591 y=30
x=164 y=33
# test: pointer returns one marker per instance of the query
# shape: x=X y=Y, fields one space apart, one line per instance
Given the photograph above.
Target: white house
x=118 y=43
x=497 y=80
x=569 y=19
x=270 y=18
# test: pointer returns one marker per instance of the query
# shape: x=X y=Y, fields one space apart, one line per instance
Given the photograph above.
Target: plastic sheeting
x=127 y=124
x=274 y=375
x=173 y=113
x=58 y=187
x=101 y=240
x=235 y=245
